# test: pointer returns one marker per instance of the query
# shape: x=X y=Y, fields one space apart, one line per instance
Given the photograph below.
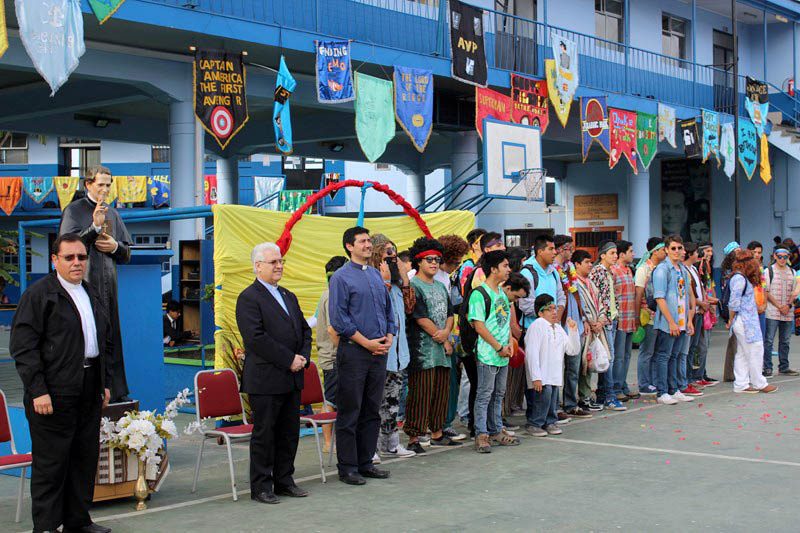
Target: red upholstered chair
x=217 y=395
x=14 y=460
x=313 y=394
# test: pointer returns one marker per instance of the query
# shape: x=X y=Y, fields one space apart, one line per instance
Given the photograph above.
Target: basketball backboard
x=507 y=149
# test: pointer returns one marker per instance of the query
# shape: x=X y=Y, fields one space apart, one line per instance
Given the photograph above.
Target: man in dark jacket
x=61 y=343
x=108 y=242
x=173 y=334
x=277 y=344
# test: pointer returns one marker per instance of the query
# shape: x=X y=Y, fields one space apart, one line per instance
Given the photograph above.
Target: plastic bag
x=598 y=357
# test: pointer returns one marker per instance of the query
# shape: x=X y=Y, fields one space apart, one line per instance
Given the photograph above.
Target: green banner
x=291 y=201
x=646 y=137
x=104 y=9
x=374 y=115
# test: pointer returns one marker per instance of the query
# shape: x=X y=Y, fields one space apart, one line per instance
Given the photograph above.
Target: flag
x=266 y=186
x=220 y=93
x=666 y=124
x=131 y=189
x=646 y=138
x=728 y=148
x=489 y=103
x=3 y=31
x=37 y=188
x=529 y=102
x=52 y=32
x=565 y=75
x=210 y=189
x=467 y=47
x=748 y=146
x=413 y=103
x=710 y=135
x=334 y=72
x=691 y=143
x=10 y=194
x=66 y=187
x=328 y=179
x=623 y=137
x=105 y=9
x=374 y=115
x=291 y=201
x=158 y=186
x=285 y=85
x=757 y=103
x=765 y=170
x=594 y=124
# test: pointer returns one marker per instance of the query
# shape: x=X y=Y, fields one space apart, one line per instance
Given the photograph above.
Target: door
x=589 y=238
x=723 y=71
x=515 y=35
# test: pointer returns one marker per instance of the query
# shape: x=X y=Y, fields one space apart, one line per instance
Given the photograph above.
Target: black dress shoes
x=353 y=478
x=91 y=528
x=374 y=473
x=265 y=497
x=292 y=491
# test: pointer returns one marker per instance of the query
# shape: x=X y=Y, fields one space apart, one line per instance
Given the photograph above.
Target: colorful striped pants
x=426 y=406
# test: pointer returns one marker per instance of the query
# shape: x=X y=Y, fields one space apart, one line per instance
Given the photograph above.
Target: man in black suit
x=173 y=335
x=61 y=342
x=277 y=345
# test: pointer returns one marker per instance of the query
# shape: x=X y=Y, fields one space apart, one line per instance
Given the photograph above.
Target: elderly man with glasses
x=781 y=290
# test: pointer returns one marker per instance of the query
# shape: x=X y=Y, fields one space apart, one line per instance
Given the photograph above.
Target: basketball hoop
x=533 y=181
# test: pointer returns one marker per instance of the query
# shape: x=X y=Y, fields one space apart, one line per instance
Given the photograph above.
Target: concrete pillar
x=465 y=153
x=639 y=210
x=182 y=170
x=415 y=188
x=228 y=181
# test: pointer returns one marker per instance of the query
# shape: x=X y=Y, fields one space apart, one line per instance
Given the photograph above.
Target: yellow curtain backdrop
x=131 y=189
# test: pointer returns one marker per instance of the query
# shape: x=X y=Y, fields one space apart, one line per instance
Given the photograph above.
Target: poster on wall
x=686 y=199
x=466 y=44
x=529 y=102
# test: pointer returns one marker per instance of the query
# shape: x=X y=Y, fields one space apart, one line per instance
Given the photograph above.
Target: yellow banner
x=66 y=186
x=561 y=108
x=131 y=189
x=765 y=169
x=3 y=32
x=112 y=192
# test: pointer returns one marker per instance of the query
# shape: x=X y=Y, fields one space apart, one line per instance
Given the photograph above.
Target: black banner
x=691 y=142
x=756 y=91
x=466 y=43
x=220 y=93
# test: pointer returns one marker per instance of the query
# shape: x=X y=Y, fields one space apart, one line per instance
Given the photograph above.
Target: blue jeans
x=622 y=360
x=784 y=329
x=644 y=365
x=572 y=369
x=545 y=405
x=489 y=399
x=665 y=367
x=605 y=381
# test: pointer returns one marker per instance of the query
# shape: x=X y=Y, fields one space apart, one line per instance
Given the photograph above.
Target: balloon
x=638 y=335
x=644 y=317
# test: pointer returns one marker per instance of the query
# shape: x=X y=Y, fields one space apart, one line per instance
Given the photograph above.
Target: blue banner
x=285 y=85
x=334 y=73
x=158 y=187
x=37 y=189
x=52 y=33
x=710 y=135
x=748 y=147
x=413 y=103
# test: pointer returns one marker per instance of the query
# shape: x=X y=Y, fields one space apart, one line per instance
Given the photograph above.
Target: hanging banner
x=328 y=179
x=646 y=138
x=267 y=187
x=52 y=33
x=291 y=201
x=529 y=102
x=489 y=103
x=413 y=103
x=10 y=194
x=3 y=31
x=757 y=103
x=37 y=189
x=727 y=143
x=594 y=124
x=765 y=171
x=285 y=85
x=466 y=44
x=666 y=124
x=66 y=187
x=220 y=93
x=622 y=125
x=564 y=74
x=374 y=115
x=334 y=72
x=710 y=135
x=691 y=143
x=210 y=189
x=105 y=9
x=159 y=190
x=748 y=147
x=131 y=189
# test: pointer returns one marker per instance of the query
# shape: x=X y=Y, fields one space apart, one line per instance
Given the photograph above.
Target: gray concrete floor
x=726 y=462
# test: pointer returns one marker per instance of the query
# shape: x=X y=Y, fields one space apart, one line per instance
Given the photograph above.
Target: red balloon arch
x=285 y=240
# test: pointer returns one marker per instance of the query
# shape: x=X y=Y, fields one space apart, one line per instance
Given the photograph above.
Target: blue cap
x=731 y=246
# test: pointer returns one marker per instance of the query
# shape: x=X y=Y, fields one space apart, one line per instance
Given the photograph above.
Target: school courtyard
x=725 y=462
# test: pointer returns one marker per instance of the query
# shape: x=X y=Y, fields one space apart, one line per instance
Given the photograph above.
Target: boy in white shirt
x=546 y=342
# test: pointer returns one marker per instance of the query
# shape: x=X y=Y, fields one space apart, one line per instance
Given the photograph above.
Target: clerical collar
x=359 y=267
x=90 y=197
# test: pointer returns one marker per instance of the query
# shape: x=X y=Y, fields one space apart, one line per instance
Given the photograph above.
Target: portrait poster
x=686 y=199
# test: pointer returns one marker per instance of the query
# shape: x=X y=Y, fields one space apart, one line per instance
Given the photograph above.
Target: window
x=673 y=36
x=13 y=148
x=12 y=258
x=160 y=153
x=160 y=239
x=78 y=156
x=609 y=20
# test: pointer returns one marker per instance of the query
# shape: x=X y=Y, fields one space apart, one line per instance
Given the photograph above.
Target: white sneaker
x=682 y=397
x=666 y=399
x=401 y=451
x=376 y=459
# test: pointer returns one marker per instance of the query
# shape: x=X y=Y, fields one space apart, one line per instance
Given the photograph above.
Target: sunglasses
x=676 y=248
x=782 y=256
x=71 y=257
x=433 y=259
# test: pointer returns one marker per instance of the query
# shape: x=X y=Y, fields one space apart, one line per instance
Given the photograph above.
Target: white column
x=227 y=180
x=415 y=188
x=639 y=210
x=465 y=153
x=181 y=170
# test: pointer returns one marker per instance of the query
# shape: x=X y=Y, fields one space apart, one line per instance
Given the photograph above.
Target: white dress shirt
x=545 y=347
x=273 y=290
x=81 y=299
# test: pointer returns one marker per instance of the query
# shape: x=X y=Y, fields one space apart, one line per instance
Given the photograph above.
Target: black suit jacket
x=175 y=334
x=47 y=339
x=271 y=339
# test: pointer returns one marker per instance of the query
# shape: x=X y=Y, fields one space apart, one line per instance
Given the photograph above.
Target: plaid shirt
x=624 y=291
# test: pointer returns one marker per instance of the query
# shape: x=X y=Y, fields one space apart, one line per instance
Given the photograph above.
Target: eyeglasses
x=274 y=262
x=782 y=256
x=71 y=257
x=675 y=248
x=433 y=259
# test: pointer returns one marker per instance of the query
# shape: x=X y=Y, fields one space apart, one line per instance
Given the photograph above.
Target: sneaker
x=768 y=389
x=649 y=391
x=633 y=395
x=444 y=441
x=767 y=373
x=509 y=425
x=594 y=406
x=615 y=405
x=533 y=431
x=622 y=397
x=710 y=382
x=453 y=434
x=691 y=391
x=563 y=418
x=425 y=440
x=681 y=397
x=703 y=383
x=376 y=459
x=666 y=399
x=748 y=390
x=789 y=372
x=400 y=451
x=553 y=429
x=579 y=412
x=415 y=447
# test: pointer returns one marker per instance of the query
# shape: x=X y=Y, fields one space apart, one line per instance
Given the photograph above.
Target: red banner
x=622 y=125
x=489 y=103
x=529 y=102
x=210 y=189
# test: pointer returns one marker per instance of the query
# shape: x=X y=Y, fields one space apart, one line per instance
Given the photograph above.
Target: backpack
x=724 y=312
x=535 y=276
x=468 y=335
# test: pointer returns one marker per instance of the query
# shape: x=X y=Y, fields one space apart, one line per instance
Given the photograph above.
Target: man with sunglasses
x=61 y=343
x=781 y=290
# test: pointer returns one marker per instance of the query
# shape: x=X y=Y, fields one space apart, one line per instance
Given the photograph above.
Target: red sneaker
x=691 y=391
x=697 y=385
x=706 y=383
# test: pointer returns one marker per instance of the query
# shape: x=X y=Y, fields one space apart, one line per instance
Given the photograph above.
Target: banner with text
x=565 y=74
x=646 y=138
x=748 y=147
x=466 y=44
x=594 y=124
x=334 y=72
x=710 y=135
x=622 y=125
x=691 y=143
x=727 y=146
x=220 y=93
x=757 y=103
x=413 y=103
x=529 y=102
x=374 y=115
x=666 y=124
x=489 y=103
x=158 y=186
x=285 y=85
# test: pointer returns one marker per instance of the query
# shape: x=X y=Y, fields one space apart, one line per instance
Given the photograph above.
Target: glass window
x=13 y=148
x=673 y=36
x=160 y=153
x=11 y=256
x=609 y=20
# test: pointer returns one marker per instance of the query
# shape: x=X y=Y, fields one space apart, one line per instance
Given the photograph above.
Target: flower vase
x=141 y=490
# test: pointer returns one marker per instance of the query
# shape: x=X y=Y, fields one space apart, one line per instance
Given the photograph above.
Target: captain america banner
x=158 y=187
x=413 y=103
x=594 y=124
x=334 y=72
x=467 y=47
x=220 y=93
x=285 y=85
x=529 y=102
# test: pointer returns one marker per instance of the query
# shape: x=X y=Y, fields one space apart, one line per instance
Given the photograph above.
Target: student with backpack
x=643 y=283
x=781 y=290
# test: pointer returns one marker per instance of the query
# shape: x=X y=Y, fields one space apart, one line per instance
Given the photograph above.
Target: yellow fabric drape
x=112 y=192
x=66 y=186
x=3 y=31
x=131 y=189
